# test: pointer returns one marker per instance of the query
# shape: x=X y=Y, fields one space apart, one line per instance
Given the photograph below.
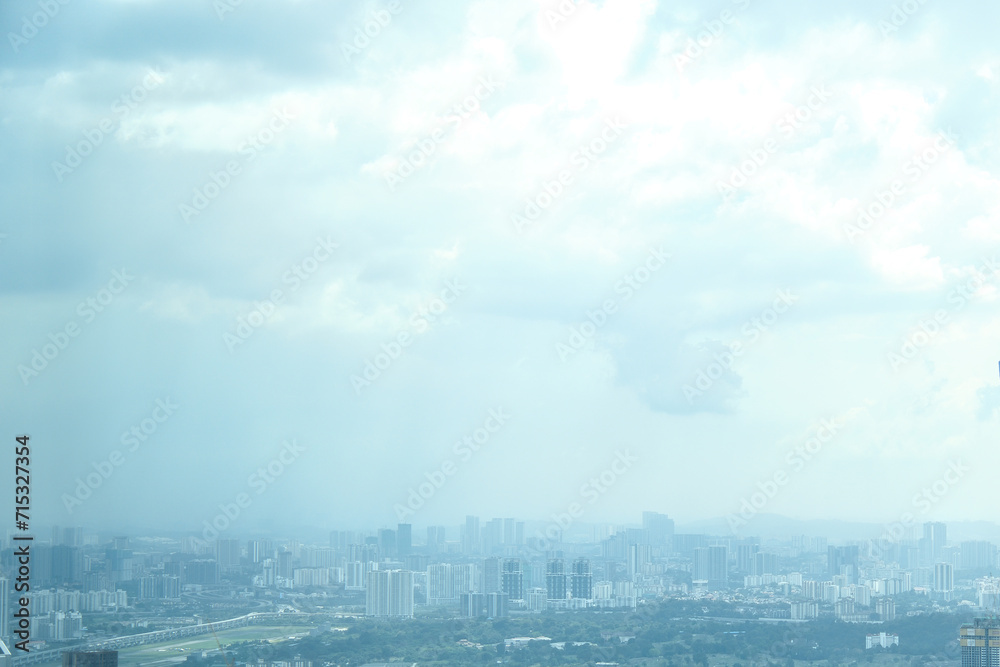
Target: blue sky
x=630 y=225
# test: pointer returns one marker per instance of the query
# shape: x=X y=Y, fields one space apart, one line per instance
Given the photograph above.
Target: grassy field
x=177 y=651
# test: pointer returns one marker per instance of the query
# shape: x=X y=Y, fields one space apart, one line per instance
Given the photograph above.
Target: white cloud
x=657 y=184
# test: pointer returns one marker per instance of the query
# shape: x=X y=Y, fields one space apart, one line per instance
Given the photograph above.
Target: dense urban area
x=498 y=592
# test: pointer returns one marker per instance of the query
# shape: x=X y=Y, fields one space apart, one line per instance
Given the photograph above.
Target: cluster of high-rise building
x=862 y=578
x=494 y=567
x=56 y=626
x=45 y=601
x=856 y=581
x=389 y=593
x=505 y=566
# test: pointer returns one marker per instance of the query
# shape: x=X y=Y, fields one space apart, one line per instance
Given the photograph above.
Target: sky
x=345 y=264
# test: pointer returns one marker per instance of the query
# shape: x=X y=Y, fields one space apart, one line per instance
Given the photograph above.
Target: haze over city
x=566 y=236
x=520 y=332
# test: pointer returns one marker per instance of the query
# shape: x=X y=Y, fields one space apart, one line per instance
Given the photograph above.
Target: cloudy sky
x=300 y=258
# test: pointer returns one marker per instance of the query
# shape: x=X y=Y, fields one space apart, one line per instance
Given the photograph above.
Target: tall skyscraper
x=555 y=579
x=764 y=563
x=614 y=547
x=885 y=608
x=446 y=583
x=978 y=555
x=933 y=542
x=440 y=584
x=416 y=562
x=472 y=605
x=227 y=553
x=201 y=571
x=745 y=554
x=711 y=564
x=512 y=579
x=944 y=579
x=686 y=544
x=581 y=580
x=639 y=555
x=534 y=574
x=980 y=643
x=361 y=559
x=119 y=563
x=339 y=539
x=492 y=536
x=363 y=553
x=389 y=594
x=435 y=539
x=404 y=539
x=72 y=537
x=387 y=542
x=513 y=532
x=496 y=605
x=66 y=565
x=470 y=535
x=490 y=575
x=260 y=550
x=659 y=528
x=465 y=578
x=285 y=564
x=843 y=560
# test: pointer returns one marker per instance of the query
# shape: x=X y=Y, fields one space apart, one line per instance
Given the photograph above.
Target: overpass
x=158 y=636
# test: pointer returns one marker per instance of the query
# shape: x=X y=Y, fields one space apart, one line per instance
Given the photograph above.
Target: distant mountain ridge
x=777 y=526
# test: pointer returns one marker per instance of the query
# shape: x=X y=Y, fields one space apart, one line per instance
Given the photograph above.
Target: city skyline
x=763 y=525
x=305 y=259
x=555 y=529
x=927 y=593
x=541 y=332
